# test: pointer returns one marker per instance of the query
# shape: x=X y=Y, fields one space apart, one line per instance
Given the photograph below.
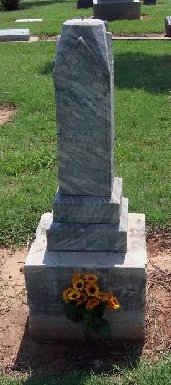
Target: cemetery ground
x=28 y=184
x=54 y=13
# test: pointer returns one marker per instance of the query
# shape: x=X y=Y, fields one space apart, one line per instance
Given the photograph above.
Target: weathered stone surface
x=168 y=26
x=48 y=273
x=128 y=325
x=116 y=9
x=14 y=34
x=84 y=98
x=89 y=209
x=90 y=237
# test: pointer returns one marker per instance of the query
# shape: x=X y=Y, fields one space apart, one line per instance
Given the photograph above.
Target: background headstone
x=168 y=26
x=84 y=3
x=28 y=20
x=116 y=9
x=149 y=2
x=14 y=34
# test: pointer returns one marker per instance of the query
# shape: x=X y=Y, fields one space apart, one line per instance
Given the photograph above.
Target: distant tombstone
x=14 y=34
x=28 y=20
x=149 y=2
x=84 y=3
x=168 y=26
x=116 y=9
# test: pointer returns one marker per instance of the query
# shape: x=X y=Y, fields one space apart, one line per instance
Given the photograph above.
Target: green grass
x=28 y=143
x=144 y=374
x=143 y=113
x=54 y=13
x=28 y=160
x=153 y=20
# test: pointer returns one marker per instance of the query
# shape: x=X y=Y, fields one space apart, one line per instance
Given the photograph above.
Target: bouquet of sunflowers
x=84 y=302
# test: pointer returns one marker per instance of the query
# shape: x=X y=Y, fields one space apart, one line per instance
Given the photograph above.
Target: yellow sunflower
x=112 y=302
x=65 y=294
x=92 y=289
x=78 y=284
x=102 y=296
x=76 y=277
x=92 y=303
x=91 y=278
x=81 y=299
x=73 y=295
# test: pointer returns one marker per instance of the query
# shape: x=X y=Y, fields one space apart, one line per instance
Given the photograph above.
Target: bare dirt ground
x=18 y=353
x=117 y=36
x=7 y=111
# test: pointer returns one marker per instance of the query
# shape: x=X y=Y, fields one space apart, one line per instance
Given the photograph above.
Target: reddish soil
x=19 y=353
x=7 y=111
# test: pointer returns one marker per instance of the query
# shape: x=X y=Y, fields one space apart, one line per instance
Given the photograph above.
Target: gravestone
x=84 y=3
x=168 y=26
x=14 y=34
x=28 y=20
x=90 y=229
x=149 y=2
x=116 y=9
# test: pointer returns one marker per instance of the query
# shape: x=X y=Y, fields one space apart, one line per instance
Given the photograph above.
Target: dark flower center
x=92 y=290
x=79 y=284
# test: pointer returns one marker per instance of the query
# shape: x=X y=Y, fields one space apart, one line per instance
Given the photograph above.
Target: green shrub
x=10 y=5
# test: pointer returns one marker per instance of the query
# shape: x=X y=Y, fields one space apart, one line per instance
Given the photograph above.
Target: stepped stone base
x=89 y=209
x=90 y=237
x=48 y=273
x=116 y=9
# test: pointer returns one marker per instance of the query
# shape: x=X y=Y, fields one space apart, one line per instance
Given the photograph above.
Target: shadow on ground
x=31 y=4
x=47 y=69
x=136 y=70
x=143 y=71
x=77 y=359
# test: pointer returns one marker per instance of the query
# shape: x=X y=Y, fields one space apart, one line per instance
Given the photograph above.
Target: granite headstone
x=116 y=9
x=168 y=26
x=84 y=3
x=149 y=2
x=90 y=229
x=14 y=34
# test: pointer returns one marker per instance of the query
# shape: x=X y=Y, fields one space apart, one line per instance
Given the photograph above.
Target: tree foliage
x=10 y=5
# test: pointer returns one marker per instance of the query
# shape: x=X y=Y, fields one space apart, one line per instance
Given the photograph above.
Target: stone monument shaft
x=89 y=212
x=84 y=96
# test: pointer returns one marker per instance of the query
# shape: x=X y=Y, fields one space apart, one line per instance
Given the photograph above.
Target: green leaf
x=98 y=311
x=102 y=327
x=73 y=312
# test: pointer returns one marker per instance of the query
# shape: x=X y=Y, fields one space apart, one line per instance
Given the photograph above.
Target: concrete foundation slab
x=48 y=273
x=14 y=34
